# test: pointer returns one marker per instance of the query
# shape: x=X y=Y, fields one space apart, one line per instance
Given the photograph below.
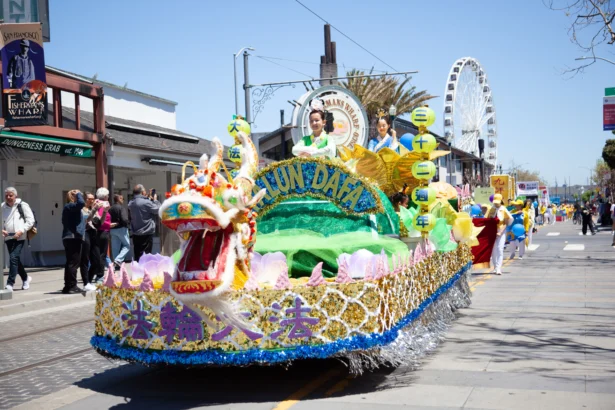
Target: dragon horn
x=216 y=159
x=249 y=156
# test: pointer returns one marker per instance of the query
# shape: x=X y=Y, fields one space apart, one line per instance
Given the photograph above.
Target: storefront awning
x=33 y=142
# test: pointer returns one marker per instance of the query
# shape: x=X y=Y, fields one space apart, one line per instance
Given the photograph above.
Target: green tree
x=608 y=153
x=604 y=176
x=382 y=92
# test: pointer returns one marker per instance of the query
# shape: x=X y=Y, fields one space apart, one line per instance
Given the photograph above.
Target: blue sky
x=182 y=51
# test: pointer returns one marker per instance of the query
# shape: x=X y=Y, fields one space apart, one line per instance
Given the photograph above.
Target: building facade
x=139 y=144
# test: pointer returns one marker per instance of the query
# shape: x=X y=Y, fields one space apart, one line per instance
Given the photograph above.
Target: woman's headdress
x=317 y=105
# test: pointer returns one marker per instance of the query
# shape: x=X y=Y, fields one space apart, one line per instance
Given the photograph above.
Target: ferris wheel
x=469 y=112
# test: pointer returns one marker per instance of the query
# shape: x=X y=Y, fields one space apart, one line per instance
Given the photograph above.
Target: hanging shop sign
x=316 y=178
x=45 y=144
x=349 y=118
x=24 y=92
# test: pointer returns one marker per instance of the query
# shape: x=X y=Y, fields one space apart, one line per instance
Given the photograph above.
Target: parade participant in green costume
x=319 y=144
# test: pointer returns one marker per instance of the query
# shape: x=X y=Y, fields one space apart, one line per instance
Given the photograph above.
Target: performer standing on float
x=387 y=137
x=320 y=143
x=500 y=212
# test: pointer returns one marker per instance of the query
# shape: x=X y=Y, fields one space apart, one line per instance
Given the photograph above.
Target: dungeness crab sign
x=350 y=119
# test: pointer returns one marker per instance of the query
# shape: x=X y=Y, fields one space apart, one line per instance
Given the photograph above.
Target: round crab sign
x=349 y=117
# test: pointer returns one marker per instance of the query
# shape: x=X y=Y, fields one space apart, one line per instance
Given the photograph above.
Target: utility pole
x=237 y=54
x=246 y=88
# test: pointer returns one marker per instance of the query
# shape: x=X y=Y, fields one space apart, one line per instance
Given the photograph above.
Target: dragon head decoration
x=211 y=213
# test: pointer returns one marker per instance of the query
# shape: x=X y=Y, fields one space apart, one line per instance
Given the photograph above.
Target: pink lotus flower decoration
x=268 y=267
x=358 y=263
x=155 y=264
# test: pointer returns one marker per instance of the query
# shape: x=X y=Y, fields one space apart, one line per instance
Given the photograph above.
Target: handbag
x=32 y=231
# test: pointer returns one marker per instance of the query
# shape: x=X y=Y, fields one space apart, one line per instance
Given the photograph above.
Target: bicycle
x=577 y=220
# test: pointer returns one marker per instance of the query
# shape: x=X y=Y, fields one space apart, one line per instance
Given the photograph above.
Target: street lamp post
x=235 y=74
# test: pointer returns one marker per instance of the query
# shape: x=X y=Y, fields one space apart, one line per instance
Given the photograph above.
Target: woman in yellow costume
x=320 y=144
x=529 y=210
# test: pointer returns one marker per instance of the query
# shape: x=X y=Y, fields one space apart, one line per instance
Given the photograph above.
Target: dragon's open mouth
x=205 y=254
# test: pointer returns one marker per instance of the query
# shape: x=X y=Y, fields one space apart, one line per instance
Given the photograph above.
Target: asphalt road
x=539 y=336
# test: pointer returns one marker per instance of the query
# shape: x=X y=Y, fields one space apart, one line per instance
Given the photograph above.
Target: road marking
x=574 y=247
x=553 y=234
x=533 y=247
x=306 y=390
x=338 y=387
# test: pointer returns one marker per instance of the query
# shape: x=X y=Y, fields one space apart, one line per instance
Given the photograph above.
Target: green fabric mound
x=304 y=249
x=327 y=219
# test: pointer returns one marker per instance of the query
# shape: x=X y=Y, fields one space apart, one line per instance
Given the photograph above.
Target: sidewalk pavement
x=45 y=293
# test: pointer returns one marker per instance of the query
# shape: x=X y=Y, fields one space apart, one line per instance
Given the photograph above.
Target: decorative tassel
x=381 y=269
x=316 y=279
x=166 y=286
x=147 y=285
x=110 y=279
x=418 y=254
x=342 y=273
x=369 y=275
x=283 y=281
x=252 y=283
x=126 y=280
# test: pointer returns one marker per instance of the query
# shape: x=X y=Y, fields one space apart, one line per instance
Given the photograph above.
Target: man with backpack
x=17 y=221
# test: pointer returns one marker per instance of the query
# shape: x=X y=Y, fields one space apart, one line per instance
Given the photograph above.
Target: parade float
x=304 y=259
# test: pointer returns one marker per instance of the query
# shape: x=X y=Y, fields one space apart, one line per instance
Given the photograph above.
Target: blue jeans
x=14 y=246
x=120 y=244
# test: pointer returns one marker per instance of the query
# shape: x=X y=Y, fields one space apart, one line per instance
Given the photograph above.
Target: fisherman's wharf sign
x=349 y=117
x=316 y=178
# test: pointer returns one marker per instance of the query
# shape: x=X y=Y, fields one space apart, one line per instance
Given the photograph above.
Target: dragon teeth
x=211 y=273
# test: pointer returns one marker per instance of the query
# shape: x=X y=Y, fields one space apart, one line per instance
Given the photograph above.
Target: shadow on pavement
x=181 y=388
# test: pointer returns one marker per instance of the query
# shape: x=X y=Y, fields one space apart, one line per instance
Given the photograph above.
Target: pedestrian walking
x=102 y=223
x=120 y=239
x=586 y=214
x=143 y=211
x=73 y=232
x=17 y=220
x=504 y=219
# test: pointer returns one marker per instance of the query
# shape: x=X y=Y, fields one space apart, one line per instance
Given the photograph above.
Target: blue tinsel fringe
x=110 y=347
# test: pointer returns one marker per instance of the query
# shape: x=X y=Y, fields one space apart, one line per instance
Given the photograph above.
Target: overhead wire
x=343 y=34
x=313 y=63
x=283 y=66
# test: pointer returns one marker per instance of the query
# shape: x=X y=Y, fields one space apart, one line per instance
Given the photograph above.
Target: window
x=274 y=153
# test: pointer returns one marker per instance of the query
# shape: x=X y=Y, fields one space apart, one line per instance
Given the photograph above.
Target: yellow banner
x=502 y=184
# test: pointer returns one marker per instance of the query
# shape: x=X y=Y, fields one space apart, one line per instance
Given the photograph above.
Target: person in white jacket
x=14 y=230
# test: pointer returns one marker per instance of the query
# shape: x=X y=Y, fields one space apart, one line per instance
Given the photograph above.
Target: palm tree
x=382 y=92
